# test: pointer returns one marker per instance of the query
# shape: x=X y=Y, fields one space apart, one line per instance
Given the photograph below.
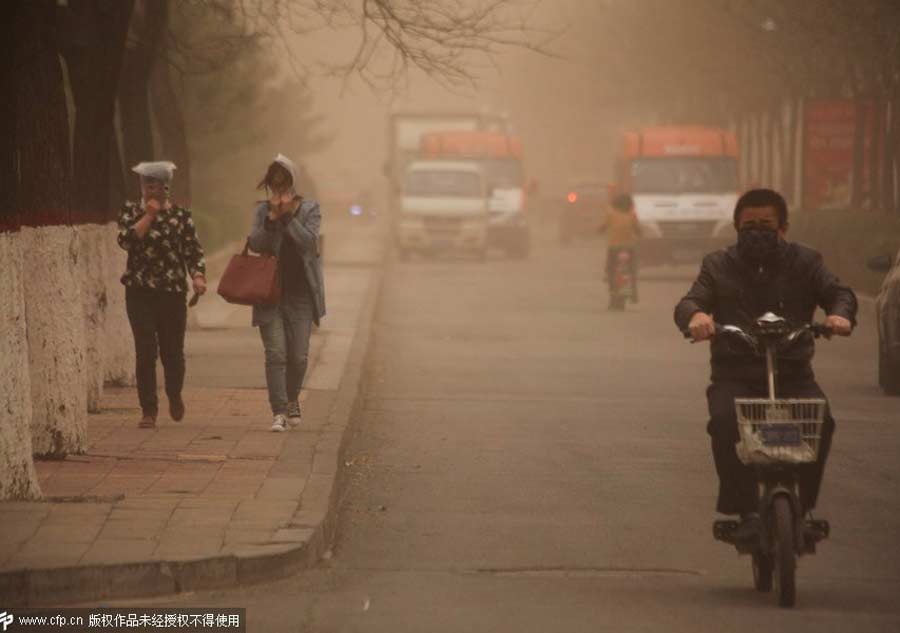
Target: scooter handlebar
x=816 y=329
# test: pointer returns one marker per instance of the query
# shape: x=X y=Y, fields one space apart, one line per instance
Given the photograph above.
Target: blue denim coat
x=303 y=228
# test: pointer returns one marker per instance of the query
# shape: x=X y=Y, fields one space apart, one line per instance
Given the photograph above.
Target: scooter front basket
x=784 y=431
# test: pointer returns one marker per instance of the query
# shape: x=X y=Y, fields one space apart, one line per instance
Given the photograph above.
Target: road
x=527 y=461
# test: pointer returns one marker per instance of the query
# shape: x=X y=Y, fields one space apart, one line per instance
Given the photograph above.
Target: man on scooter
x=761 y=273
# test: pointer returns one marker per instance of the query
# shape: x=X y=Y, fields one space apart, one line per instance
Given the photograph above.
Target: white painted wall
x=17 y=475
x=56 y=341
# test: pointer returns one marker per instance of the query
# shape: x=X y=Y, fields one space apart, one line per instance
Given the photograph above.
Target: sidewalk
x=217 y=499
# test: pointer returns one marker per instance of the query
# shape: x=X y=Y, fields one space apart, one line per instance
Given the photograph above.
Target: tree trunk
x=744 y=149
x=52 y=292
x=43 y=135
x=147 y=25
x=771 y=140
x=18 y=479
x=9 y=173
x=118 y=347
x=887 y=160
x=94 y=55
x=172 y=129
x=876 y=135
x=790 y=153
x=758 y=143
x=117 y=190
x=859 y=137
x=778 y=149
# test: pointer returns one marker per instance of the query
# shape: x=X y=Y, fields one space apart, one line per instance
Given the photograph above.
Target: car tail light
x=572 y=197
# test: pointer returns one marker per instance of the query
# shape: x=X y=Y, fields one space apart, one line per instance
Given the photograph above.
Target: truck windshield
x=457 y=184
x=503 y=173
x=684 y=175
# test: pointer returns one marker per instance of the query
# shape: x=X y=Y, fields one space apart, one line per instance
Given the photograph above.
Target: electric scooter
x=775 y=436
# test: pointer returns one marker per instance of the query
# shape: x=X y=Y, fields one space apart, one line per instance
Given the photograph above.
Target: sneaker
x=279 y=425
x=293 y=414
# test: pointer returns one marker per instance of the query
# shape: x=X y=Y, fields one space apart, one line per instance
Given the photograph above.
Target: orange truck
x=684 y=181
x=499 y=156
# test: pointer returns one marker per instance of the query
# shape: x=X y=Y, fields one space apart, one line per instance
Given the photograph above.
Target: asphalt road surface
x=528 y=462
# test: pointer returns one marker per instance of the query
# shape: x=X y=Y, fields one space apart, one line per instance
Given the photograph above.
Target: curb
x=308 y=536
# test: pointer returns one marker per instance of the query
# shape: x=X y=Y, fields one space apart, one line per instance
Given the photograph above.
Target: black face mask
x=757 y=246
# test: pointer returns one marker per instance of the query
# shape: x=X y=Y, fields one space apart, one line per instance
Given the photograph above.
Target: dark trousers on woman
x=737 y=481
x=158 y=320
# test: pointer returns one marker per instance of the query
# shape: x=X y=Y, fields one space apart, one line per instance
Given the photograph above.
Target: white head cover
x=288 y=164
x=160 y=170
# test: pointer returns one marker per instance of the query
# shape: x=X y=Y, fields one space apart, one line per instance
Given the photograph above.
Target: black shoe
x=748 y=529
x=176 y=408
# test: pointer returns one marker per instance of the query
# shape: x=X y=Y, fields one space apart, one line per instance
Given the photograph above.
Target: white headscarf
x=162 y=170
x=288 y=164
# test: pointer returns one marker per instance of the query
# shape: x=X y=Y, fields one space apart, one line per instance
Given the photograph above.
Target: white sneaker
x=278 y=424
x=293 y=414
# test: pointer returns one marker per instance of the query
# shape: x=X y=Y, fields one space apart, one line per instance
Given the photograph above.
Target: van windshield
x=457 y=184
x=503 y=173
x=684 y=175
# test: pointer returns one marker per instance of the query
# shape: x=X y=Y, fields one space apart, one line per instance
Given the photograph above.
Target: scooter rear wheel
x=762 y=572
x=785 y=556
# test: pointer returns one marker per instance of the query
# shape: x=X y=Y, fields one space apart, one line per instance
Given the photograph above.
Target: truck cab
x=684 y=182
x=443 y=207
x=500 y=158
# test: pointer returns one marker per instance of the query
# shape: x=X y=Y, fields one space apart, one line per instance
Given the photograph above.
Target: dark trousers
x=738 y=482
x=611 y=254
x=158 y=320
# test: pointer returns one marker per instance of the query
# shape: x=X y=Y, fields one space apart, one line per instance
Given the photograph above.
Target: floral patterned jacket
x=159 y=260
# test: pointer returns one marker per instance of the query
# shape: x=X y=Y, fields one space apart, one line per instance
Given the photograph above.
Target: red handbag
x=251 y=279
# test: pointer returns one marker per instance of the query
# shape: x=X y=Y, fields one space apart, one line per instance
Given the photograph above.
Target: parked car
x=887 y=315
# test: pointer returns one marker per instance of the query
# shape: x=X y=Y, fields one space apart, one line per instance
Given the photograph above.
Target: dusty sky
x=552 y=102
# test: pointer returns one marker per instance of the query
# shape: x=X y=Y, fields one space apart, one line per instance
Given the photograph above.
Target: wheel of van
x=888 y=374
x=785 y=556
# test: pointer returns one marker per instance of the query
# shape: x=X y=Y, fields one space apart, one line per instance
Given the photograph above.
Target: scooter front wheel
x=785 y=556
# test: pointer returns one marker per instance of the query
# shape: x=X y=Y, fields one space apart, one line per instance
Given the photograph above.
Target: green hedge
x=847 y=240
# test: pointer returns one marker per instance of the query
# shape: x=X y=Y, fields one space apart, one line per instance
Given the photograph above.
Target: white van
x=443 y=207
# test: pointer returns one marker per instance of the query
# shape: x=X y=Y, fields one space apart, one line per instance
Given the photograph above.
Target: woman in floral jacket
x=162 y=244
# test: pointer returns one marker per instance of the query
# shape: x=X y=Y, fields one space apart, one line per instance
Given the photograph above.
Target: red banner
x=829 y=132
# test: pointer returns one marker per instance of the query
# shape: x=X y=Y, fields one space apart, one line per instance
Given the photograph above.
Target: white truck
x=443 y=207
x=405 y=132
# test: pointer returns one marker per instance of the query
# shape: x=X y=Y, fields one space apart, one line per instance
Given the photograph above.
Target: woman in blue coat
x=287 y=226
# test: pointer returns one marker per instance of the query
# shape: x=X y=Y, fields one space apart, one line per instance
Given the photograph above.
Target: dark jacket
x=735 y=293
x=302 y=230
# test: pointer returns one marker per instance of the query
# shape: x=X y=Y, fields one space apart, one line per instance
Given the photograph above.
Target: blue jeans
x=286 y=343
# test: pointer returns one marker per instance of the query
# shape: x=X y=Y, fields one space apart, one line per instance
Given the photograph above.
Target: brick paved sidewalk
x=210 y=501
